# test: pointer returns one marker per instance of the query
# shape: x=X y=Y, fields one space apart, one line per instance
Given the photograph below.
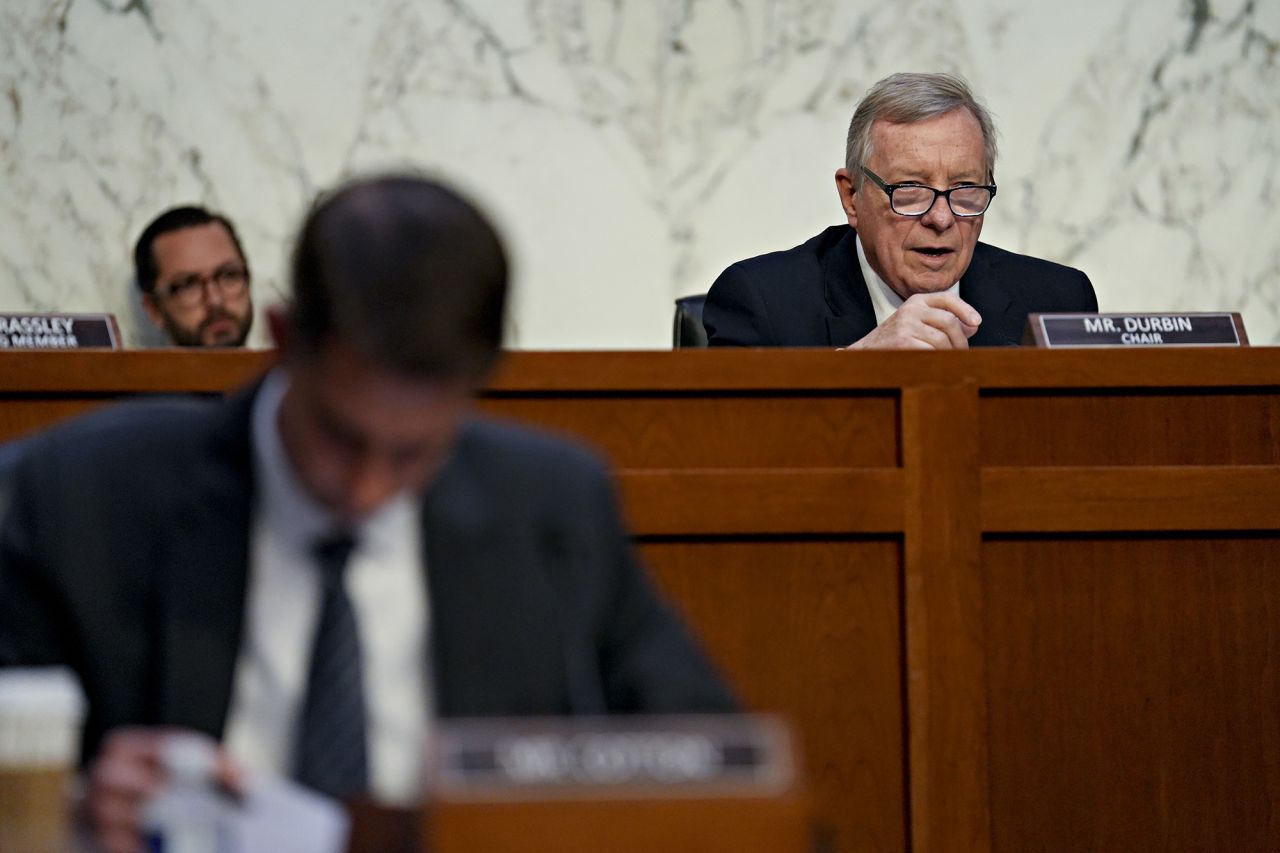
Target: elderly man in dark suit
x=907 y=272
x=313 y=571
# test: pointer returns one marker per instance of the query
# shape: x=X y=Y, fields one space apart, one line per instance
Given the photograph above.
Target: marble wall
x=630 y=149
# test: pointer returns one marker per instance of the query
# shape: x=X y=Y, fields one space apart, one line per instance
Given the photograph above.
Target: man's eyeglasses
x=917 y=200
x=189 y=291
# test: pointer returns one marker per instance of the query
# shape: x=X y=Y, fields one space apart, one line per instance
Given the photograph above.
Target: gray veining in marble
x=630 y=149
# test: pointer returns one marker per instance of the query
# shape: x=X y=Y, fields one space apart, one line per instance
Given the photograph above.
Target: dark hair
x=405 y=271
x=175 y=219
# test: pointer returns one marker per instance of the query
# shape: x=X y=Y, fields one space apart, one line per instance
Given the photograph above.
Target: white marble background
x=630 y=149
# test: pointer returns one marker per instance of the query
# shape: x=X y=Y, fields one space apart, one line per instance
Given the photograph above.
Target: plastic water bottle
x=189 y=814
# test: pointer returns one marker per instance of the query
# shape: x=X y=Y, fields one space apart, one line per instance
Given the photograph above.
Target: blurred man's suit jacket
x=126 y=549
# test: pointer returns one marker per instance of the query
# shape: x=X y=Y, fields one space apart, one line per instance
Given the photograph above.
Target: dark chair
x=689 y=331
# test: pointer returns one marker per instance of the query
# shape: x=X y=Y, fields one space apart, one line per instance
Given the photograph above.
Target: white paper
x=280 y=816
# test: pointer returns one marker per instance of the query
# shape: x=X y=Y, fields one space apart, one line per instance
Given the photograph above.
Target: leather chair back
x=689 y=331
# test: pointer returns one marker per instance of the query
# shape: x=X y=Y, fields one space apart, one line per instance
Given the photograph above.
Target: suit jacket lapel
x=203 y=581
x=852 y=316
x=981 y=288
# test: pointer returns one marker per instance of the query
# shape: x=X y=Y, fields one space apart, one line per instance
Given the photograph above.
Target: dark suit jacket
x=125 y=556
x=814 y=295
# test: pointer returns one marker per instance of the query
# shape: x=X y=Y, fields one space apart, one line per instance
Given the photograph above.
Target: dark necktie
x=330 y=754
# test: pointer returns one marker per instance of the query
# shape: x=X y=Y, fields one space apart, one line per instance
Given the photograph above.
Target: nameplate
x=664 y=755
x=1193 y=329
x=58 y=331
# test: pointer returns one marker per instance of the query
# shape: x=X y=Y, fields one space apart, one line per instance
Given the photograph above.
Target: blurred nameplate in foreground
x=59 y=331
x=705 y=784
x=1184 y=329
x=666 y=754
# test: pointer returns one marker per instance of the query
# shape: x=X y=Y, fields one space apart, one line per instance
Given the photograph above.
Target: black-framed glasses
x=917 y=199
x=189 y=291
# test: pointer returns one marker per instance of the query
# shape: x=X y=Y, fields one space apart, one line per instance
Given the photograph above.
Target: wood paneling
x=155 y=371
x=1080 y=679
x=944 y=631
x=41 y=388
x=1224 y=497
x=589 y=823
x=738 y=431
x=722 y=371
x=1132 y=427
x=1134 y=689
x=763 y=501
x=810 y=629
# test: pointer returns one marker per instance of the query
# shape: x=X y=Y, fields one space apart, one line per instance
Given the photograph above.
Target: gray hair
x=905 y=98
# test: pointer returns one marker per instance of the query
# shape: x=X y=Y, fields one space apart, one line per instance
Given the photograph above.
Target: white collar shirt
x=386 y=580
x=884 y=300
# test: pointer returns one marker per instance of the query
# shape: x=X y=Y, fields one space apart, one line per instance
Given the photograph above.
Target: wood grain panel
x=39 y=389
x=1114 y=693
x=944 y=628
x=763 y=501
x=1135 y=693
x=788 y=370
x=1135 y=427
x=592 y=823
x=1226 y=497
x=688 y=371
x=160 y=371
x=722 y=431
x=810 y=629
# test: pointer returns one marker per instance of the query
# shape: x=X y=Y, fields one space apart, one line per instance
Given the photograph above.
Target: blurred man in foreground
x=194 y=278
x=907 y=272
x=311 y=571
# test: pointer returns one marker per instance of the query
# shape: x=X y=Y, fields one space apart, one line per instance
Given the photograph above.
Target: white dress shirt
x=386 y=581
x=884 y=300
